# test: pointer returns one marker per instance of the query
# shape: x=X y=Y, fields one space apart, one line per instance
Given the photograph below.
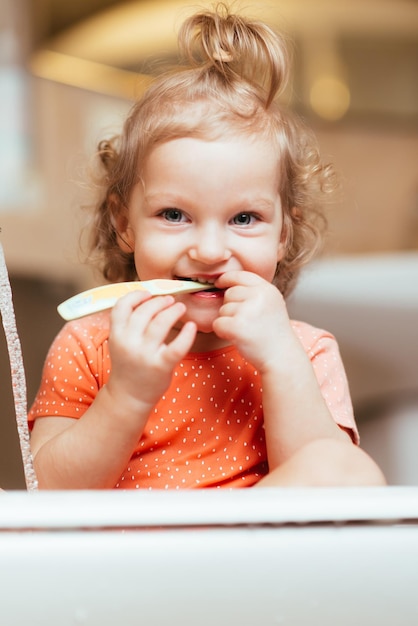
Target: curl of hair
x=236 y=49
x=115 y=264
x=308 y=185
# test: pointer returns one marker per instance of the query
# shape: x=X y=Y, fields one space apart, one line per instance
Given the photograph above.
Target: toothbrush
x=106 y=296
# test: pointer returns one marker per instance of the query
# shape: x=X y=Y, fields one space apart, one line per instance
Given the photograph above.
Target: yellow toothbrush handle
x=105 y=297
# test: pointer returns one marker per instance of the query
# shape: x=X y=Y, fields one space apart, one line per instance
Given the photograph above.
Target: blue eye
x=243 y=219
x=173 y=215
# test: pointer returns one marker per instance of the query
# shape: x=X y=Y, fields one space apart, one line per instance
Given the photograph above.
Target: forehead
x=213 y=173
x=248 y=152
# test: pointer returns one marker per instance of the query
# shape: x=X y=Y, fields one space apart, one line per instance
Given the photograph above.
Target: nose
x=210 y=245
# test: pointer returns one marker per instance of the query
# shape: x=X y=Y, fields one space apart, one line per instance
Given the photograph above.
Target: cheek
x=145 y=258
x=263 y=264
x=152 y=258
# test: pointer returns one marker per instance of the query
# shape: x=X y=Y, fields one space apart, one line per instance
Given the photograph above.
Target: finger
x=229 y=309
x=182 y=344
x=161 y=323
x=138 y=312
x=125 y=305
x=152 y=307
x=238 y=293
x=225 y=327
x=237 y=277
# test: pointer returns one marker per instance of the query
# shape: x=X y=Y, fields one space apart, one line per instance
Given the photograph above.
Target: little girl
x=211 y=180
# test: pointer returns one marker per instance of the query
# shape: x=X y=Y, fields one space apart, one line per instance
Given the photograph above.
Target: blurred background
x=69 y=72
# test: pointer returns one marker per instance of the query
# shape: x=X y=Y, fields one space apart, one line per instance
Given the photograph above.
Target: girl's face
x=203 y=208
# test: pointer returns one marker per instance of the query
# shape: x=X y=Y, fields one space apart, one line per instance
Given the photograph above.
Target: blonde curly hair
x=234 y=71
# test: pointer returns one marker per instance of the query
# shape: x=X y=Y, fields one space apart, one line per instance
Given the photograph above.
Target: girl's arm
x=91 y=452
x=296 y=416
x=316 y=451
x=295 y=412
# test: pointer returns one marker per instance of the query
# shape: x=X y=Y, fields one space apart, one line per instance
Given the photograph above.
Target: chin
x=203 y=325
x=205 y=330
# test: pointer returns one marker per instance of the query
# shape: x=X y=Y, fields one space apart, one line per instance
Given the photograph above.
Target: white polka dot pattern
x=207 y=429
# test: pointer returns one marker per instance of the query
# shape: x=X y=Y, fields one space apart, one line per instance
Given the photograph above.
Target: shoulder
x=81 y=340
x=92 y=330
x=80 y=349
x=324 y=354
x=313 y=338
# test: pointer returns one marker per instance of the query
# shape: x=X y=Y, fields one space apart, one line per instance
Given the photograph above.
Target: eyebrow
x=250 y=204
x=164 y=196
x=170 y=197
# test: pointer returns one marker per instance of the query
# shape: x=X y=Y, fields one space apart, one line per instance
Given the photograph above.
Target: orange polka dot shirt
x=207 y=429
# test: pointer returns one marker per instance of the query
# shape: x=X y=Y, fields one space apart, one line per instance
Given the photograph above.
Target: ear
x=124 y=236
x=281 y=248
x=120 y=222
x=281 y=251
x=286 y=236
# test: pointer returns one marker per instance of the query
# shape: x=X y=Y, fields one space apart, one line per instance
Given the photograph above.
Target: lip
x=206 y=294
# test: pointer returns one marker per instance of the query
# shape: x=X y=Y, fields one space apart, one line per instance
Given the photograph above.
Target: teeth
x=204 y=281
x=196 y=279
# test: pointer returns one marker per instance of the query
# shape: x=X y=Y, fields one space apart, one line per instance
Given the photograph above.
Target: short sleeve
x=323 y=352
x=72 y=373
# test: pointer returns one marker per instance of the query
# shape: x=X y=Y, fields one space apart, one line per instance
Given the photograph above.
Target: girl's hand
x=142 y=358
x=254 y=317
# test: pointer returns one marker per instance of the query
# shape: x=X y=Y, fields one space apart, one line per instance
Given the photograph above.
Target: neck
x=206 y=342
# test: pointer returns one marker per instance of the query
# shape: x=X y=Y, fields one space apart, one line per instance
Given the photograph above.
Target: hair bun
x=222 y=56
x=238 y=48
